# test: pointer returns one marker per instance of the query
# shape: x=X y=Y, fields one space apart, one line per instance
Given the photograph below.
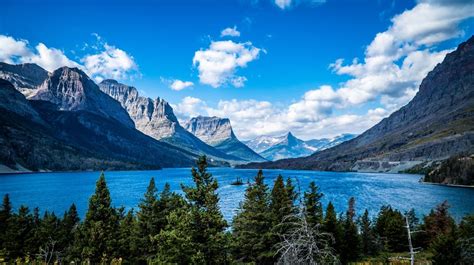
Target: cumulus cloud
x=49 y=58
x=251 y=118
x=230 y=32
x=112 y=62
x=218 y=64
x=180 y=85
x=11 y=49
x=394 y=65
x=399 y=58
x=107 y=61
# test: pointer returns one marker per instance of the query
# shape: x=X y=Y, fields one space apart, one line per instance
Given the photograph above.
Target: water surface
x=57 y=191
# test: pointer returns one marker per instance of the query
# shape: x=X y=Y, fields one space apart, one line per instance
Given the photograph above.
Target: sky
x=317 y=68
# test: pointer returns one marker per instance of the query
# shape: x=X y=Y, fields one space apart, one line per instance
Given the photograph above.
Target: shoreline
x=449 y=185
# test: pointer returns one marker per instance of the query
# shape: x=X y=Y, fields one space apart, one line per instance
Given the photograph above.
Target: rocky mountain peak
x=72 y=90
x=24 y=77
x=211 y=130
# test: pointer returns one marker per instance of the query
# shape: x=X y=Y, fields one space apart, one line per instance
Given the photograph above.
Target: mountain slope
x=27 y=142
x=25 y=77
x=437 y=123
x=156 y=119
x=218 y=133
x=71 y=89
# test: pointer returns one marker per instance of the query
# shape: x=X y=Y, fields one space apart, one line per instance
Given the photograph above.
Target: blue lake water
x=57 y=191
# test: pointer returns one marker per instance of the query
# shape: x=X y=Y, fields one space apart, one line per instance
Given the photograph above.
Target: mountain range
x=436 y=124
x=71 y=123
x=288 y=146
x=218 y=133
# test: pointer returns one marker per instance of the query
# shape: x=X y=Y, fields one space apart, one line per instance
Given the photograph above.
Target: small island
x=237 y=182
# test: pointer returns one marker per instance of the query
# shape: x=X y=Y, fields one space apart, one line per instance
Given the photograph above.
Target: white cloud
x=112 y=62
x=285 y=4
x=230 y=32
x=180 y=85
x=218 y=64
x=394 y=65
x=11 y=49
x=49 y=58
x=108 y=62
x=399 y=58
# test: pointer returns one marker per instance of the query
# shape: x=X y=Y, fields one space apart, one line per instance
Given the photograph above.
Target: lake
x=57 y=191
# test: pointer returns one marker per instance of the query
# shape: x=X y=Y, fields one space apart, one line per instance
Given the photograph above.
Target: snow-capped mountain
x=288 y=146
x=218 y=133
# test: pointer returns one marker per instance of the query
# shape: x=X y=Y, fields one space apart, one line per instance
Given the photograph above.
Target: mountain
x=156 y=119
x=218 y=133
x=25 y=77
x=288 y=146
x=70 y=89
x=325 y=143
x=28 y=141
x=69 y=124
x=437 y=123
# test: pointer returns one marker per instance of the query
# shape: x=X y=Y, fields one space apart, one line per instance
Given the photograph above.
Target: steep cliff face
x=218 y=133
x=24 y=77
x=156 y=119
x=35 y=136
x=436 y=124
x=70 y=89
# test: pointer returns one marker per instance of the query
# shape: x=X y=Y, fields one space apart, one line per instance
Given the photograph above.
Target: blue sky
x=274 y=77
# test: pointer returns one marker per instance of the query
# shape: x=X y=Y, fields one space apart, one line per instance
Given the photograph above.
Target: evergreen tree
x=128 y=240
x=69 y=226
x=390 y=226
x=99 y=235
x=5 y=215
x=446 y=249
x=252 y=224
x=312 y=205
x=148 y=221
x=351 y=241
x=437 y=223
x=18 y=233
x=368 y=239
x=202 y=225
x=331 y=225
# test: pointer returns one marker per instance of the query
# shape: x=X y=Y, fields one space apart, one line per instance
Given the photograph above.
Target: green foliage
x=252 y=225
x=269 y=227
x=202 y=223
x=312 y=205
x=332 y=226
x=455 y=170
x=101 y=226
x=351 y=241
x=368 y=239
x=390 y=226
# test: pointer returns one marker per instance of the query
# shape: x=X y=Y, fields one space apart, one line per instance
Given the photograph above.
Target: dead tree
x=303 y=244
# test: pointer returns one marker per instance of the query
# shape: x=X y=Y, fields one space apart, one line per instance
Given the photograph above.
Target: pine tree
x=252 y=224
x=437 y=223
x=312 y=205
x=201 y=226
x=69 y=227
x=128 y=240
x=390 y=226
x=5 y=215
x=100 y=226
x=331 y=225
x=147 y=221
x=368 y=240
x=351 y=241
